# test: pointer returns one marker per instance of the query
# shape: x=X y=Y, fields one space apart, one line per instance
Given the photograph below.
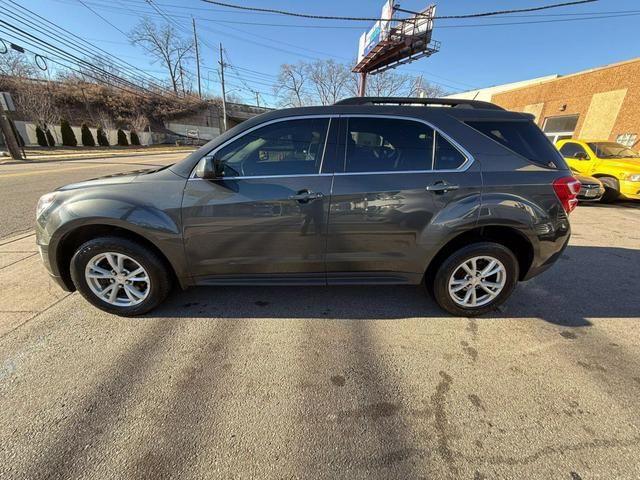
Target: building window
x=627 y=139
x=560 y=128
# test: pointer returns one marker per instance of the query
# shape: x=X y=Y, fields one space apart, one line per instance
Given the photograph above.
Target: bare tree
x=139 y=123
x=36 y=103
x=14 y=64
x=105 y=120
x=329 y=79
x=166 y=46
x=325 y=82
x=388 y=84
x=291 y=86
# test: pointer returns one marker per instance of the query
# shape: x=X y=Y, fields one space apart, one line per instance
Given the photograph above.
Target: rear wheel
x=119 y=276
x=611 y=189
x=476 y=279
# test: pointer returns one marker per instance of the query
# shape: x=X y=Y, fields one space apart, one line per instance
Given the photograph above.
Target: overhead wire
x=375 y=19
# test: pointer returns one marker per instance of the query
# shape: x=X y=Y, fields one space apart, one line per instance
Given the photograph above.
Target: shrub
x=68 y=137
x=103 y=141
x=87 y=136
x=50 y=140
x=42 y=138
x=135 y=140
x=122 y=138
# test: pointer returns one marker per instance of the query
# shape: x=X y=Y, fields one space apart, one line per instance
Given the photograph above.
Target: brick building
x=600 y=104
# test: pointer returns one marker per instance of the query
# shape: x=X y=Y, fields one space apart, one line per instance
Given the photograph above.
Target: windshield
x=612 y=150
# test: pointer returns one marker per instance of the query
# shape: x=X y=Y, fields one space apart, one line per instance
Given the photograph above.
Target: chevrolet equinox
x=461 y=196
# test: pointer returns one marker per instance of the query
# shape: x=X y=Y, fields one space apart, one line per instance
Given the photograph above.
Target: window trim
x=265 y=124
x=469 y=159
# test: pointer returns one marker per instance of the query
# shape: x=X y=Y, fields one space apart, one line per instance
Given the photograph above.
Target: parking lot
x=344 y=382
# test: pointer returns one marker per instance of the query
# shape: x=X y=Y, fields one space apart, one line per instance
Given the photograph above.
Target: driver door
x=265 y=219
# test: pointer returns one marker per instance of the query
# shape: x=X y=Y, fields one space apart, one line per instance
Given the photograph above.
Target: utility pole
x=257 y=99
x=224 y=95
x=195 y=40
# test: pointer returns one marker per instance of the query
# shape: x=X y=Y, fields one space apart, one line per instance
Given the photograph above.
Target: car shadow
x=616 y=204
x=586 y=283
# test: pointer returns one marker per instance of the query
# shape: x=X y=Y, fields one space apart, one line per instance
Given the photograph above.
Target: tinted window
x=387 y=145
x=290 y=147
x=447 y=156
x=524 y=138
x=570 y=149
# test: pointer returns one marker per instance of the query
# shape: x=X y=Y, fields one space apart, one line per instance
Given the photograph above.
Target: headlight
x=634 y=178
x=44 y=203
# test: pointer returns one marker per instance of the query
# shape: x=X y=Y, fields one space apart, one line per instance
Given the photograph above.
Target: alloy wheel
x=477 y=281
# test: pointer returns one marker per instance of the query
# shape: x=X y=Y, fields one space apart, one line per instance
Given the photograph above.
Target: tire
x=611 y=189
x=91 y=263
x=451 y=270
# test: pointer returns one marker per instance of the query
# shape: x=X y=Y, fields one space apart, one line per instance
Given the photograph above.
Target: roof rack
x=449 y=102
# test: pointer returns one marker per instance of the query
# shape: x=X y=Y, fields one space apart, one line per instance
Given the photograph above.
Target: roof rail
x=449 y=102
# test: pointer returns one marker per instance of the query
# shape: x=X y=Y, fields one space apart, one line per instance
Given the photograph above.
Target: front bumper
x=590 y=193
x=630 y=190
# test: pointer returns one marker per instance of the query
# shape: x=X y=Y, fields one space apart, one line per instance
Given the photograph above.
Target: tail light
x=567 y=189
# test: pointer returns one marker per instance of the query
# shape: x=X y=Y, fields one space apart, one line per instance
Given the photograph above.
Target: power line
x=375 y=19
x=60 y=53
x=62 y=38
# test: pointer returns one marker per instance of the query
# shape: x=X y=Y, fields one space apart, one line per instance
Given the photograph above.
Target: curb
x=107 y=156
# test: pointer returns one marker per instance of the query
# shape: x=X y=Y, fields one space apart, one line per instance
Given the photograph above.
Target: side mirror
x=210 y=168
x=581 y=156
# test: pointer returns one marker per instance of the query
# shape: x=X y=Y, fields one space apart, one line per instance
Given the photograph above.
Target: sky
x=473 y=54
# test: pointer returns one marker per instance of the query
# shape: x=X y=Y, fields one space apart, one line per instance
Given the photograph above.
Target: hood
x=584 y=180
x=126 y=177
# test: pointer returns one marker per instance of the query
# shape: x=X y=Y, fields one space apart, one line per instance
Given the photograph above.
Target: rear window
x=524 y=138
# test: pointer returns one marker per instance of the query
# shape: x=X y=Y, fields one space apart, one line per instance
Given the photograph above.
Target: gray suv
x=460 y=195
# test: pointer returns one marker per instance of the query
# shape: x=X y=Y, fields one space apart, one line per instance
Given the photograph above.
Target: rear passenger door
x=393 y=176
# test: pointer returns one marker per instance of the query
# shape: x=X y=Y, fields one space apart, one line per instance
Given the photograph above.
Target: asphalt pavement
x=344 y=382
x=22 y=184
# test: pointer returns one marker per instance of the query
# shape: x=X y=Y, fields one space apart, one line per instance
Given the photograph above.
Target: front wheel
x=476 y=279
x=119 y=276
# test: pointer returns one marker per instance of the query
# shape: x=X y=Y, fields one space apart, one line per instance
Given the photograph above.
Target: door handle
x=441 y=187
x=305 y=196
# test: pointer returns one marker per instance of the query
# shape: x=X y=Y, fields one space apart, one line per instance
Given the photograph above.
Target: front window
x=290 y=147
x=612 y=150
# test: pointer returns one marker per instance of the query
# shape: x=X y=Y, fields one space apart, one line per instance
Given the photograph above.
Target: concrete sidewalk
x=27 y=289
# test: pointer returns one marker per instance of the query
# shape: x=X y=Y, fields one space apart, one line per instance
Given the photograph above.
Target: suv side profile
x=461 y=195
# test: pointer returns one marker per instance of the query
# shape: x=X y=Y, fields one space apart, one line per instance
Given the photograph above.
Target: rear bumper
x=539 y=268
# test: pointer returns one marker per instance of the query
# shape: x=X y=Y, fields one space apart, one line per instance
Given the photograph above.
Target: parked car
x=616 y=166
x=591 y=189
x=461 y=194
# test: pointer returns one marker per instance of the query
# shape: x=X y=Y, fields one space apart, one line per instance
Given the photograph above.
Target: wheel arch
x=69 y=243
x=509 y=237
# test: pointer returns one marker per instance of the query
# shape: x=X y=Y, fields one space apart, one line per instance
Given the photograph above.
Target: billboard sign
x=377 y=33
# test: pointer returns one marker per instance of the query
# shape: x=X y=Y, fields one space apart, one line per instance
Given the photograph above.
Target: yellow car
x=616 y=166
